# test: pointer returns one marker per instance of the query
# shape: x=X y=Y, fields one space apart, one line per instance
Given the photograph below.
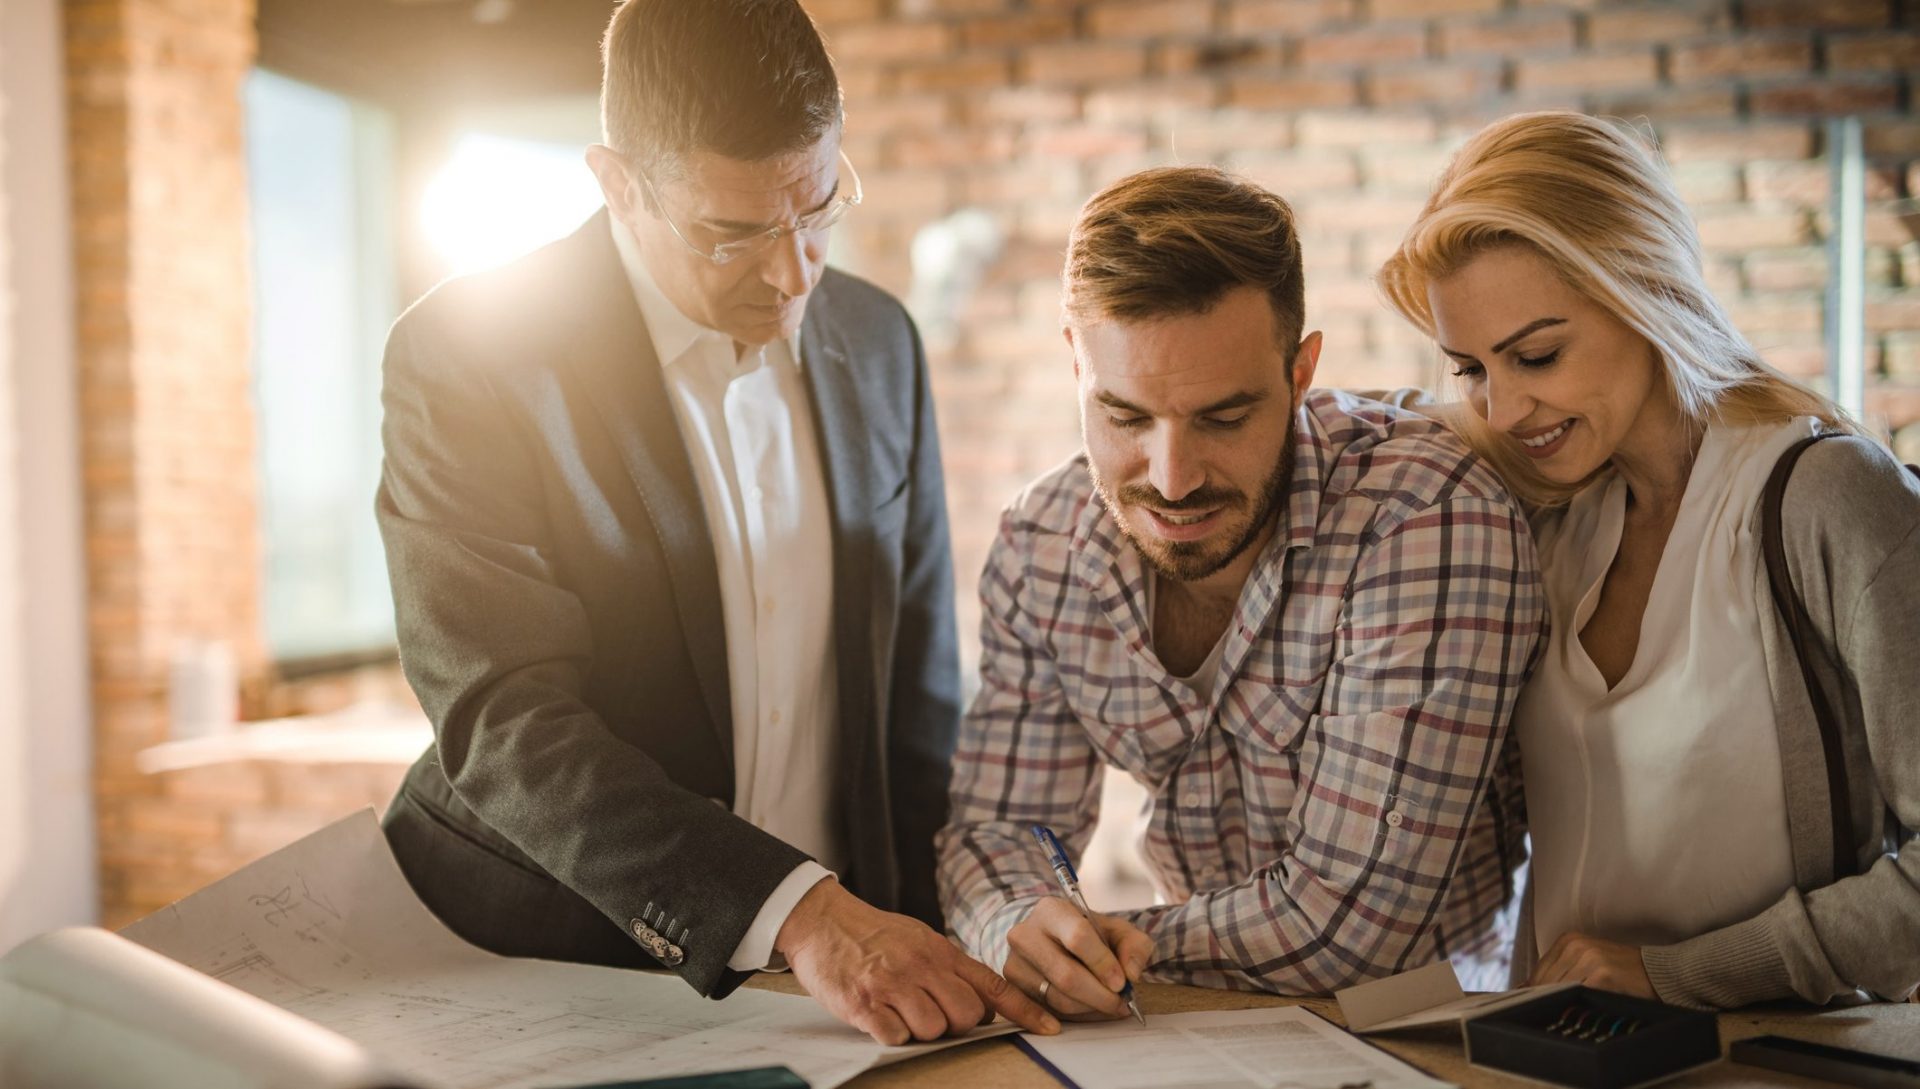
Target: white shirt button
x=1192 y=798
x=754 y=495
x=1394 y=819
x=767 y=605
x=775 y=717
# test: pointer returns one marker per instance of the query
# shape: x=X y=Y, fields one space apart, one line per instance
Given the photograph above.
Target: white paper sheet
x=329 y=929
x=1422 y=998
x=83 y=1009
x=1283 y=1047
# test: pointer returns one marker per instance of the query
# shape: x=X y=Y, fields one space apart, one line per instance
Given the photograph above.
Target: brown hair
x=1596 y=203
x=748 y=79
x=1175 y=240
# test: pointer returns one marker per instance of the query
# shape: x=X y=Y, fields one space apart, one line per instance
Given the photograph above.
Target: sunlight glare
x=499 y=198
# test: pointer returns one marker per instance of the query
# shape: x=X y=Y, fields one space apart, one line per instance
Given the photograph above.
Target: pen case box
x=1592 y=1039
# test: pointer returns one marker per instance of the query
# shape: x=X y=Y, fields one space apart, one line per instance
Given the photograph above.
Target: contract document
x=1281 y=1047
x=329 y=930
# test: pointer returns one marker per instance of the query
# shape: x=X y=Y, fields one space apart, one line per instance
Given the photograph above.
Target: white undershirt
x=1657 y=809
x=1207 y=678
x=747 y=422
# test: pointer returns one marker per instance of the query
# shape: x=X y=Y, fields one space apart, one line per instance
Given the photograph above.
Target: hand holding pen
x=1080 y=964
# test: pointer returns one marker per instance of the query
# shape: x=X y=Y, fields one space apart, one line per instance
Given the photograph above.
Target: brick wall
x=1348 y=108
x=163 y=317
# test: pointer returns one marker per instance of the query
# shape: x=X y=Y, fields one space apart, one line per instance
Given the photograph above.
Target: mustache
x=1204 y=498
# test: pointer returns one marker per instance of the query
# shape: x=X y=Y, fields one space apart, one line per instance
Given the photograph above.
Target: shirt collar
x=1311 y=451
x=673 y=333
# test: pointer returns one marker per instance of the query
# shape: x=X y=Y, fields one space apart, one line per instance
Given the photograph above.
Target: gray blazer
x=559 y=617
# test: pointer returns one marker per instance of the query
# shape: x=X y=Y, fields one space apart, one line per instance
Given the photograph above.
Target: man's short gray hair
x=747 y=79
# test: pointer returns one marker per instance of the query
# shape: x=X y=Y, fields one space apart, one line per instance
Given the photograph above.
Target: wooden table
x=998 y=1064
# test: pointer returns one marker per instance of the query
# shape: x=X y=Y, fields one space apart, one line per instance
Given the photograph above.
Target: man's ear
x=1067 y=332
x=617 y=184
x=1305 y=359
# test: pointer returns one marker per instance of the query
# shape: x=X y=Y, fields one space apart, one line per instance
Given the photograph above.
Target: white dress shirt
x=1657 y=807
x=747 y=421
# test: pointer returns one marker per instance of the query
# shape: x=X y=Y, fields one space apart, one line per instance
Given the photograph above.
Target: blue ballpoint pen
x=1070 y=884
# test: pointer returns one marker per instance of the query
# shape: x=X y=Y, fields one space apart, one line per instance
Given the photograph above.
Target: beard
x=1191 y=561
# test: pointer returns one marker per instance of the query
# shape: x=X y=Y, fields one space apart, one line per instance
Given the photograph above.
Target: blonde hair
x=1598 y=205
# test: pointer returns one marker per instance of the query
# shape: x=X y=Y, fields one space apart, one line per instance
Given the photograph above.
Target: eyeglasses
x=721 y=253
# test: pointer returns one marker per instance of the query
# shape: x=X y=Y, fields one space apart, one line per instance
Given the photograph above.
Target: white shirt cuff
x=755 y=951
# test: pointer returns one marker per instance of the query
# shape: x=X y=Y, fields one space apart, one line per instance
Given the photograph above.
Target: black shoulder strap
x=1793 y=613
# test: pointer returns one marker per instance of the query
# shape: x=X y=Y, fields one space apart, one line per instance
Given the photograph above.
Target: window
x=320 y=184
x=325 y=227
x=499 y=197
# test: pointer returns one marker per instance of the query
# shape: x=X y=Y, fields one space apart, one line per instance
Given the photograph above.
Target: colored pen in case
x=1070 y=884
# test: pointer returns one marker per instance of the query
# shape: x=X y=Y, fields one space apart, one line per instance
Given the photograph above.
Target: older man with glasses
x=665 y=521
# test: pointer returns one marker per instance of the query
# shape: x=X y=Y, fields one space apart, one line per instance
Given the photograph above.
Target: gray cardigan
x=1851 y=523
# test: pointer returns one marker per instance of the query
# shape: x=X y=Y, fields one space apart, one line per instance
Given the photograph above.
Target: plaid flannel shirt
x=1347 y=805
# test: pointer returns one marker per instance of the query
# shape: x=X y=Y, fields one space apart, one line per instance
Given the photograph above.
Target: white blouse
x=1657 y=808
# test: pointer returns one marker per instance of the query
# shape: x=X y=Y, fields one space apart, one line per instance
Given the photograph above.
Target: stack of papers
x=1282 y=1047
x=328 y=930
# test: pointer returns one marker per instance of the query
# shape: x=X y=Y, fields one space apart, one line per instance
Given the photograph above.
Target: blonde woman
x=1676 y=791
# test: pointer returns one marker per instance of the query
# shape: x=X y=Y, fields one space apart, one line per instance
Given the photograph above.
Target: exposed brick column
x=163 y=303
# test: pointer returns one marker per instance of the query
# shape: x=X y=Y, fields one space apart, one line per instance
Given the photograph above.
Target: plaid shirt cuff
x=992 y=950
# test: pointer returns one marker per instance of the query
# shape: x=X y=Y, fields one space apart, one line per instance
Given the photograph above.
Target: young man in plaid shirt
x=1301 y=619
